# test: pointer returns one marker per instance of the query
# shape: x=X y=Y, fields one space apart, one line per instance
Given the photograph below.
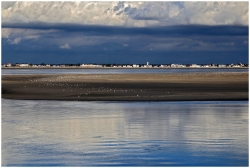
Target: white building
x=206 y=66
x=87 y=65
x=195 y=66
x=147 y=66
x=177 y=66
x=135 y=66
x=164 y=66
x=236 y=66
x=8 y=64
x=23 y=65
x=222 y=66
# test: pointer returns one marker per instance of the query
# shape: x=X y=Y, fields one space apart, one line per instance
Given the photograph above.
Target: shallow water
x=64 y=133
x=116 y=71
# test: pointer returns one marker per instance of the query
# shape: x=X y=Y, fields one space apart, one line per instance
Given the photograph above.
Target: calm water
x=63 y=133
x=113 y=71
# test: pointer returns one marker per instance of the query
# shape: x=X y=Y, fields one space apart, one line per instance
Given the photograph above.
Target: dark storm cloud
x=111 y=44
x=185 y=30
x=48 y=32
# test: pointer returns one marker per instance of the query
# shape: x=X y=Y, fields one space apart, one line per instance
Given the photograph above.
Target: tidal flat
x=204 y=86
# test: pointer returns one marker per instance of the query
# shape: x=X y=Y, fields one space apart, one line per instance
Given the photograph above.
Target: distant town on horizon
x=147 y=65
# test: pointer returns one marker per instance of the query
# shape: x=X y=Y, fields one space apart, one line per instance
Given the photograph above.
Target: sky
x=164 y=32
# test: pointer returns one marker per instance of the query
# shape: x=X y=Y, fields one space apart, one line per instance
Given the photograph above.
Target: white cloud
x=65 y=46
x=5 y=33
x=30 y=33
x=174 y=11
x=7 y=4
x=33 y=37
x=216 y=13
x=191 y=44
x=15 y=36
x=135 y=14
x=15 y=41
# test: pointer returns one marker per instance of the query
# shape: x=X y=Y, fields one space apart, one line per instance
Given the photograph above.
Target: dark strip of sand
x=127 y=87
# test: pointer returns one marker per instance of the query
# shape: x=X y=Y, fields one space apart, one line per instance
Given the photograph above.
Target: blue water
x=64 y=133
x=114 y=71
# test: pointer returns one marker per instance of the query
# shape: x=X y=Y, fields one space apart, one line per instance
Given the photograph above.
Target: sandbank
x=128 y=87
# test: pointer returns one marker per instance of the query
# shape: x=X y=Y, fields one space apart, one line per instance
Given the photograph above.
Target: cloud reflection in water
x=62 y=133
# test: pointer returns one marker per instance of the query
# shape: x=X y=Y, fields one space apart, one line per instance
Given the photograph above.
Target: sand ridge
x=128 y=87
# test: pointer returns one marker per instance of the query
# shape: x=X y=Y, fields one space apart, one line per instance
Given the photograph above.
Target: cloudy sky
x=124 y=32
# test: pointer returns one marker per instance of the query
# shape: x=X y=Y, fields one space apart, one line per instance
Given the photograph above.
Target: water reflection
x=61 y=133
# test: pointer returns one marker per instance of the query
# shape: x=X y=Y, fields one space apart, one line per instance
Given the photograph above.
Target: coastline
x=128 y=87
x=75 y=67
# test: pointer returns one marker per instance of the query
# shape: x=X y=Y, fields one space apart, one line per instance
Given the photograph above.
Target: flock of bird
x=73 y=82
x=68 y=83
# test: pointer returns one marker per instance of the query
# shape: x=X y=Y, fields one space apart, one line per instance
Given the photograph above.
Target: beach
x=128 y=87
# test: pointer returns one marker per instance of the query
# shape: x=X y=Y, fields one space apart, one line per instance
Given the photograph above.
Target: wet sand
x=127 y=87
